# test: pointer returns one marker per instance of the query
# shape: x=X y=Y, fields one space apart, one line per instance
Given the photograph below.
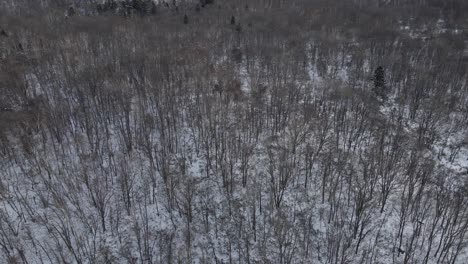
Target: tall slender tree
x=379 y=82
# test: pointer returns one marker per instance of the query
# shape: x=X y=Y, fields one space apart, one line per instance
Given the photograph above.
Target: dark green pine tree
x=71 y=11
x=239 y=28
x=237 y=55
x=146 y=8
x=110 y=5
x=137 y=5
x=185 y=19
x=379 y=82
x=3 y=33
x=100 y=8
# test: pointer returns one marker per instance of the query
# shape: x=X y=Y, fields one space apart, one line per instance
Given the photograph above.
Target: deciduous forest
x=234 y=131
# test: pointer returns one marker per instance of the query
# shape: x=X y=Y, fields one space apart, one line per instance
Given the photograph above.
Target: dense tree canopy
x=249 y=131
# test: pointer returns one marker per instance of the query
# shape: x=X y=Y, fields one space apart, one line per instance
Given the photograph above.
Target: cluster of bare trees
x=142 y=139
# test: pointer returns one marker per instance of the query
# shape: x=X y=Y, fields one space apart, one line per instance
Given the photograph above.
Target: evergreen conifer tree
x=379 y=82
x=3 y=33
x=71 y=11
x=239 y=28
